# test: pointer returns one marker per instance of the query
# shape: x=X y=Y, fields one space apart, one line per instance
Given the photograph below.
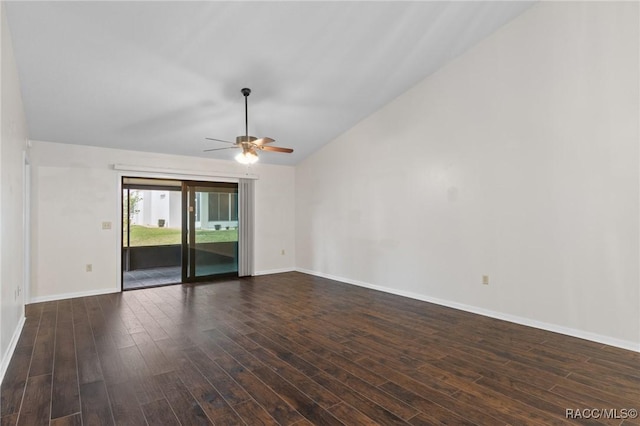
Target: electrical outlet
x=106 y=225
x=89 y=267
x=485 y=279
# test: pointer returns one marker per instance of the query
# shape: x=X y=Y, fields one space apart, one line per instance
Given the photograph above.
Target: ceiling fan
x=250 y=144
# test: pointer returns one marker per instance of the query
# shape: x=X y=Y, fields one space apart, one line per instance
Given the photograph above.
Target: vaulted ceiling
x=162 y=76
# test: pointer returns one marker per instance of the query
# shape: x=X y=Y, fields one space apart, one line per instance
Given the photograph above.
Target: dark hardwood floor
x=296 y=349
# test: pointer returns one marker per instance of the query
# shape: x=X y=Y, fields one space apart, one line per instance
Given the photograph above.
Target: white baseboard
x=6 y=357
x=581 y=334
x=273 y=271
x=62 y=296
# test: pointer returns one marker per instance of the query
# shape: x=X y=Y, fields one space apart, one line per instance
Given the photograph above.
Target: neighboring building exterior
x=163 y=208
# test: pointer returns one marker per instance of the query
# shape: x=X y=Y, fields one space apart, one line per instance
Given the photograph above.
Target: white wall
x=518 y=160
x=175 y=210
x=160 y=208
x=145 y=208
x=75 y=189
x=13 y=137
x=275 y=219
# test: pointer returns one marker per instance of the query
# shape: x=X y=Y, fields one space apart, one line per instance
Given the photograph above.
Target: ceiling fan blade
x=219 y=140
x=275 y=149
x=249 y=144
x=218 y=149
x=263 y=141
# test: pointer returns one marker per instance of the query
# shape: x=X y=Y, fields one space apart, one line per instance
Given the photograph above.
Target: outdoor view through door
x=177 y=231
x=211 y=235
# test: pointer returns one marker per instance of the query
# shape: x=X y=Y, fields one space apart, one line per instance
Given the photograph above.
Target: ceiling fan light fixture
x=247 y=157
x=249 y=144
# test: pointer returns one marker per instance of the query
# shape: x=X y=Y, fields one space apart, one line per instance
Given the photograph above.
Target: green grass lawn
x=152 y=236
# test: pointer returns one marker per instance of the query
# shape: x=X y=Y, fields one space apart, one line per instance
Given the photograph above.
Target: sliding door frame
x=128 y=187
x=159 y=173
x=188 y=225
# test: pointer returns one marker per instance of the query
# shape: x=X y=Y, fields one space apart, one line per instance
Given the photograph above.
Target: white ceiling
x=162 y=76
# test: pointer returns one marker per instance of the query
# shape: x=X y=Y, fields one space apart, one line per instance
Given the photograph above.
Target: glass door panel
x=211 y=234
x=151 y=232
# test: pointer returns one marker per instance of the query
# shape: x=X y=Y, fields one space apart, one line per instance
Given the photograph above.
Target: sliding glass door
x=177 y=231
x=151 y=232
x=210 y=230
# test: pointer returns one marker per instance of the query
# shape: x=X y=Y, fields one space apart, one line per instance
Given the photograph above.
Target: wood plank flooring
x=293 y=349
